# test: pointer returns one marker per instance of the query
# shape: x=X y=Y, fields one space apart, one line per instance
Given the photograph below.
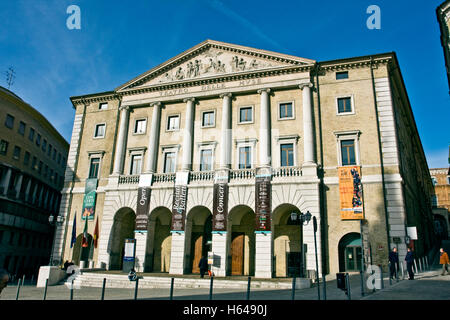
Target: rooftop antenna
x=10 y=76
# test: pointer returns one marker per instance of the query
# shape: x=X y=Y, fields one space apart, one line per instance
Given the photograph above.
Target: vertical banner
x=220 y=207
x=350 y=193
x=179 y=207
x=143 y=201
x=263 y=190
x=89 y=199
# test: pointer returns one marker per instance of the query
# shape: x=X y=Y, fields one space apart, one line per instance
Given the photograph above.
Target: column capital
x=228 y=94
x=264 y=90
x=189 y=99
x=306 y=84
x=124 y=108
x=156 y=103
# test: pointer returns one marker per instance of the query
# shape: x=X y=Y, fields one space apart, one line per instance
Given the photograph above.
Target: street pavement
x=427 y=286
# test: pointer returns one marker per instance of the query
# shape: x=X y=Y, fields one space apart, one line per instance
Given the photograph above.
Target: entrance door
x=295 y=264
x=237 y=253
x=197 y=251
x=353 y=256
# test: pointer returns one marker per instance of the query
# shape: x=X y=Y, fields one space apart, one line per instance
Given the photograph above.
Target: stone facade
x=259 y=115
x=443 y=16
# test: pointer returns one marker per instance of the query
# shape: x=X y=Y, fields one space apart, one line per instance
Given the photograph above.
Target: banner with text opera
x=350 y=193
x=142 y=205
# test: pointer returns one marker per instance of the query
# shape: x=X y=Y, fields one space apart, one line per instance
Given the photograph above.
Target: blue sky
x=119 y=40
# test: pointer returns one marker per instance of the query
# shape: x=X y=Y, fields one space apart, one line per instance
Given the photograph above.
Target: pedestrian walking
x=393 y=263
x=409 y=263
x=4 y=278
x=203 y=265
x=444 y=261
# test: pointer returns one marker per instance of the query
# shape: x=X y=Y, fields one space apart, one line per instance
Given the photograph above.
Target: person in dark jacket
x=203 y=265
x=409 y=263
x=393 y=263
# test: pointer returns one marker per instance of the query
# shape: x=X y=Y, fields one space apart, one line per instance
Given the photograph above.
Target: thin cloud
x=438 y=158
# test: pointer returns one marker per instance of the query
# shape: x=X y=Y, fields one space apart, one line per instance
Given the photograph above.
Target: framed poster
x=350 y=193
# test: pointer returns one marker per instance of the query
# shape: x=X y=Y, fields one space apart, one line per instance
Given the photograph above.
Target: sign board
x=143 y=201
x=350 y=193
x=220 y=207
x=179 y=207
x=263 y=190
x=129 y=250
x=412 y=233
x=89 y=199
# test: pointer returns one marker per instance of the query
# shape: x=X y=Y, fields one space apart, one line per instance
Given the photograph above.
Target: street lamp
x=54 y=222
x=302 y=219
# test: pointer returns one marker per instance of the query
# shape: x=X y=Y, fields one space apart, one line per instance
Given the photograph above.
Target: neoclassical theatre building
x=219 y=148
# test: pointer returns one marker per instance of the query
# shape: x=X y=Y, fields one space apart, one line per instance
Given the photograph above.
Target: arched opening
x=241 y=241
x=160 y=240
x=81 y=253
x=199 y=220
x=440 y=227
x=350 y=253
x=288 y=246
x=123 y=228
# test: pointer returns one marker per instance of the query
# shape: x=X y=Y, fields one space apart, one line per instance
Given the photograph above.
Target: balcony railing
x=163 y=177
x=201 y=175
x=133 y=179
x=242 y=174
x=287 y=172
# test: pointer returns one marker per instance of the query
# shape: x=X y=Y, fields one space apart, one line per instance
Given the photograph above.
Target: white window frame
x=207 y=145
x=179 y=122
x=93 y=154
x=285 y=140
x=145 y=126
x=348 y=135
x=240 y=143
x=239 y=114
x=168 y=149
x=136 y=152
x=95 y=130
x=101 y=104
x=214 y=119
x=293 y=111
x=352 y=104
x=435 y=180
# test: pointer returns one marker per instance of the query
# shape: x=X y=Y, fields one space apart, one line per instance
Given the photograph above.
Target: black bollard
x=171 y=288
x=324 y=287
x=45 y=289
x=211 y=288
x=293 y=288
x=136 y=288
x=349 y=292
x=362 y=282
x=18 y=290
x=71 y=290
x=248 y=288
x=103 y=289
x=381 y=277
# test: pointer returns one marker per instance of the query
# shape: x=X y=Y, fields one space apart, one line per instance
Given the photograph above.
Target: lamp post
x=302 y=219
x=54 y=222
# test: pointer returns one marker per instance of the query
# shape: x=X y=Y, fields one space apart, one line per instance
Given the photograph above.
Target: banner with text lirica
x=350 y=193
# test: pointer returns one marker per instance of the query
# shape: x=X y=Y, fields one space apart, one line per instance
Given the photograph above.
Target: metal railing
x=129 y=179
x=242 y=174
x=287 y=172
x=201 y=175
x=163 y=177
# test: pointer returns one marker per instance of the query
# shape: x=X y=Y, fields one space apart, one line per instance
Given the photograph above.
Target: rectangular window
x=40 y=167
x=38 y=140
x=206 y=160
x=31 y=134
x=286 y=111
x=341 y=75
x=45 y=171
x=59 y=158
x=246 y=114
x=3 y=147
x=136 y=164
x=169 y=162
x=139 y=127
x=100 y=130
x=287 y=155
x=434 y=200
x=44 y=145
x=22 y=127
x=173 y=123
x=9 y=122
x=103 y=106
x=344 y=105
x=49 y=150
x=348 y=152
x=51 y=175
x=16 y=154
x=54 y=154
x=208 y=119
x=245 y=158
x=26 y=158
x=34 y=163
x=93 y=169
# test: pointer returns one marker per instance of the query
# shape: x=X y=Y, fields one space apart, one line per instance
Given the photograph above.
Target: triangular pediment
x=213 y=59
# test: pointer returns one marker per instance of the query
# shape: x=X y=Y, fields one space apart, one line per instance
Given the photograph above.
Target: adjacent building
x=220 y=148
x=32 y=165
x=443 y=16
x=441 y=201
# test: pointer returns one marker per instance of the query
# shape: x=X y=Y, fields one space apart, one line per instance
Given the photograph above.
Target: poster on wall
x=350 y=193
x=143 y=201
x=179 y=207
x=89 y=199
x=220 y=207
x=263 y=207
